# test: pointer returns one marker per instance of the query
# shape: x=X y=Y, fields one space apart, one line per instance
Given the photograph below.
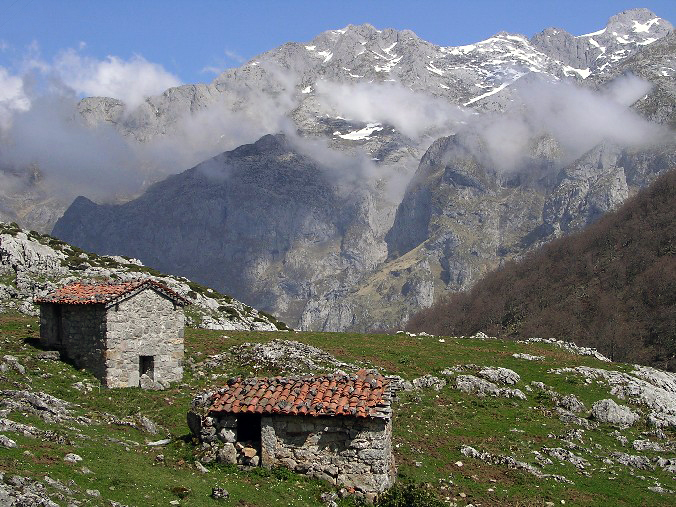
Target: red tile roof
x=364 y=394
x=84 y=293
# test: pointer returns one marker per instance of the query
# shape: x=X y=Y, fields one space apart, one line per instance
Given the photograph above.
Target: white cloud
x=236 y=57
x=12 y=97
x=576 y=118
x=130 y=81
x=412 y=113
x=210 y=69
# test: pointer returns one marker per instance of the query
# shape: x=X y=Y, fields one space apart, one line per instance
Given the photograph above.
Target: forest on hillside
x=611 y=286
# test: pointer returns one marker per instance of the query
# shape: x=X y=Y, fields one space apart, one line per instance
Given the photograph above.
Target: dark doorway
x=146 y=366
x=249 y=428
x=58 y=319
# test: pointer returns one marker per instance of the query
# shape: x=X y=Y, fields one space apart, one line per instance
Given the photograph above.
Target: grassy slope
x=429 y=428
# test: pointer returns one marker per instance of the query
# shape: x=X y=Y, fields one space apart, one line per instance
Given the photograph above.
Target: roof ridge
x=105 y=291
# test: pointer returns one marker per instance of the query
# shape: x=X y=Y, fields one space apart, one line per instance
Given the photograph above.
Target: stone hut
x=126 y=333
x=335 y=427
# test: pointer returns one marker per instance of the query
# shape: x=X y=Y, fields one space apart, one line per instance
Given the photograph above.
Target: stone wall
x=145 y=324
x=347 y=451
x=78 y=332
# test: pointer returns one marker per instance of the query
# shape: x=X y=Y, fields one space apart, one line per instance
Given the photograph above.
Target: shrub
x=409 y=495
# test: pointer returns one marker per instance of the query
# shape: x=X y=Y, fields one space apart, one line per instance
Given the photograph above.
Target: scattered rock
x=482 y=336
x=7 y=442
x=93 y=492
x=566 y=455
x=164 y=441
x=500 y=375
x=148 y=425
x=607 y=411
x=14 y=363
x=570 y=347
x=219 y=493
x=329 y=499
x=22 y=491
x=647 y=386
x=510 y=462
x=428 y=381
x=48 y=355
x=43 y=405
x=657 y=488
x=72 y=458
x=620 y=437
x=659 y=420
x=145 y=382
x=528 y=357
x=631 y=460
x=571 y=403
x=568 y=417
x=474 y=385
x=647 y=445
x=287 y=356
x=201 y=468
x=57 y=484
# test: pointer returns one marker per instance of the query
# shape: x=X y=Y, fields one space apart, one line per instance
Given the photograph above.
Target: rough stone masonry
x=123 y=333
x=335 y=427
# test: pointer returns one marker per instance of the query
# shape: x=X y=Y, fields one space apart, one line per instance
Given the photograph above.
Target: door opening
x=58 y=319
x=146 y=366
x=249 y=428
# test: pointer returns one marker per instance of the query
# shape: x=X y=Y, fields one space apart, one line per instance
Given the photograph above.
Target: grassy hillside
x=612 y=286
x=430 y=427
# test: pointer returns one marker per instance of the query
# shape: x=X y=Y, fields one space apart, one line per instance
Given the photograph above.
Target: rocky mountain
x=496 y=147
x=272 y=227
x=610 y=286
x=33 y=265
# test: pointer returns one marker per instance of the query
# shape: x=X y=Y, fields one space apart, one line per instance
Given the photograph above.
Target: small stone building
x=335 y=427
x=125 y=333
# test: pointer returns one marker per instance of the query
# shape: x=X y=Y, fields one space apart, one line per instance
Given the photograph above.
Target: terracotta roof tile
x=83 y=293
x=364 y=394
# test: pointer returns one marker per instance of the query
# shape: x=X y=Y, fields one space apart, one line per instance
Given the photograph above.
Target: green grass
x=429 y=428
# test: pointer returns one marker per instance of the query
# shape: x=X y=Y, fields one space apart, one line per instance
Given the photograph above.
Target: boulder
x=227 y=454
x=571 y=403
x=500 y=375
x=607 y=411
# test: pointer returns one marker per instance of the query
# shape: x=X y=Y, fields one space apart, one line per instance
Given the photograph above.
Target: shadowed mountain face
x=407 y=172
x=612 y=286
x=262 y=221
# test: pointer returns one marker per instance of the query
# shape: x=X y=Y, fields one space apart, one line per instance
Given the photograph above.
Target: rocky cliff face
x=312 y=225
x=32 y=265
x=273 y=227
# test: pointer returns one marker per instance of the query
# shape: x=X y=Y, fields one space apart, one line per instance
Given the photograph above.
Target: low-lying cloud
x=130 y=81
x=576 y=118
x=412 y=113
x=40 y=124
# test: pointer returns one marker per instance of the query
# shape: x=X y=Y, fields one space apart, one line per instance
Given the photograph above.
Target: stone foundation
x=348 y=451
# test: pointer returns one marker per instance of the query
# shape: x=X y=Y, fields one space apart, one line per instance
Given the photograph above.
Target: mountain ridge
x=368 y=139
